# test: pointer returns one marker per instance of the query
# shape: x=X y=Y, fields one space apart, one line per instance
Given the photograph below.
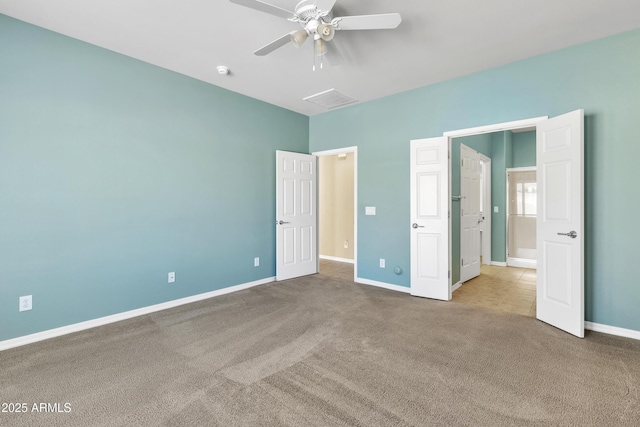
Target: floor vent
x=330 y=99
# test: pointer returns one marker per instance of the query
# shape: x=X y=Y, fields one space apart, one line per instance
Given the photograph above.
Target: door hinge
x=461 y=261
x=449 y=274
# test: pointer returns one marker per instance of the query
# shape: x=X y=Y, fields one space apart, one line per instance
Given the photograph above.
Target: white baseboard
x=76 y=327
x=333 y=258
x=456 y=286
x=522 y=263
x=499 y=264
x=383 y=285
x=612 y=330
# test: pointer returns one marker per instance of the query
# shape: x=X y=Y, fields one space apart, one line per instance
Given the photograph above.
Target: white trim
x=498 y=264
x=523 y=169
x=612 y=330
x=336 y=151
x=522 y=263
x=517 y=124
x=337 y=259
x=456 y=287
x=383 y=285
x=101 y=321
x=354 y=150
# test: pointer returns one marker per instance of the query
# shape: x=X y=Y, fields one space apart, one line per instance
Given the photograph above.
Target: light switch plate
x=495 y=209
x=370 y=210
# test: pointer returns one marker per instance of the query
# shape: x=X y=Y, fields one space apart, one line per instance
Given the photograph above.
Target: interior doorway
x=504 y=280
x=522 y=211
x=337 y=211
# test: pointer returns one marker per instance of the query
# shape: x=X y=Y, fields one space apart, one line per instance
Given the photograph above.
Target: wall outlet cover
x=25 y=303
x=172 y=277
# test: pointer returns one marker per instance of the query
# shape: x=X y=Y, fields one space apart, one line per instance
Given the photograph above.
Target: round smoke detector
x=223 y=70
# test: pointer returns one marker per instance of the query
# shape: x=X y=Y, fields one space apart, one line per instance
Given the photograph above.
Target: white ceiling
x=436 y=41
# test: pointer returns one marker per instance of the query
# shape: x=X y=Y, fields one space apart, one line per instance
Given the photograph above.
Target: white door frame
x=512 y=261
x=335 y=152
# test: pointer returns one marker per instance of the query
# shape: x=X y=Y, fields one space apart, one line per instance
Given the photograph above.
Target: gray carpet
x=323 y=351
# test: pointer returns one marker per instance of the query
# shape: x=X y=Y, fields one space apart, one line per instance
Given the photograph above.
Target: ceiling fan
x=317 y=21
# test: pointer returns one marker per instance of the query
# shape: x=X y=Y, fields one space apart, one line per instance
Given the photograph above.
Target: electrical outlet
x=346 y=244
x=25 y=303
x=256 y=261
x=382 y=263
x=172 y=277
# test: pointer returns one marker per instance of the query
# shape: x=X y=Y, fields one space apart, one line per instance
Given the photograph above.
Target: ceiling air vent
x=330 y=99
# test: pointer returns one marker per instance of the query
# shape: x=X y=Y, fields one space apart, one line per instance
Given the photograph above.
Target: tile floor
x=508 y=289
x=500 y=288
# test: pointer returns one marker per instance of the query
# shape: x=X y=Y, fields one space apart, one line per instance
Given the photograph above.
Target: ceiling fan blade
x=385 y=21
x=264 y=7
x=273 y=45
x=325 y=5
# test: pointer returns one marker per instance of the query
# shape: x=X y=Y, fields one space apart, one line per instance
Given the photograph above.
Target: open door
x=560 y=223
x=430 y=218
x=470 y=215
x=296 y=215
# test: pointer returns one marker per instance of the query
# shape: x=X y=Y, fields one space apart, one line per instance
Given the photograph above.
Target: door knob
x=571 y=234
x=417 y=226
x=282 y=222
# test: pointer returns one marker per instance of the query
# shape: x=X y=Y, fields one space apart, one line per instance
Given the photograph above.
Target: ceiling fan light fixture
x=326 y=32
x=320 y=46
x=298 y=37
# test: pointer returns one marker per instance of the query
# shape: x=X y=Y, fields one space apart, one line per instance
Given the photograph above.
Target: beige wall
x=336 y=206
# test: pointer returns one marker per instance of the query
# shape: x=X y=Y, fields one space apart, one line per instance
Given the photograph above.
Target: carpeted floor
x=323 y=351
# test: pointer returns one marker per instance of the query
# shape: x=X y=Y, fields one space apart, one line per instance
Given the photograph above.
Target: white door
x=296 y=215
x=560 y=227
x=486 y=210
x=470 y=215
x=430 y=218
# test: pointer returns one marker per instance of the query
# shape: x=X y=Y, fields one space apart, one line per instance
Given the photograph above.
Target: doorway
x=560 y=226
x=501 y=282
x=522 y=212
x=493 y=285
x=337 y=212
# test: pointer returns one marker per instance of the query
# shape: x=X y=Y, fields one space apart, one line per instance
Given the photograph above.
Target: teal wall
x=600 y=77
x=114 y=172
x=524 y=149
x=501 y=145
